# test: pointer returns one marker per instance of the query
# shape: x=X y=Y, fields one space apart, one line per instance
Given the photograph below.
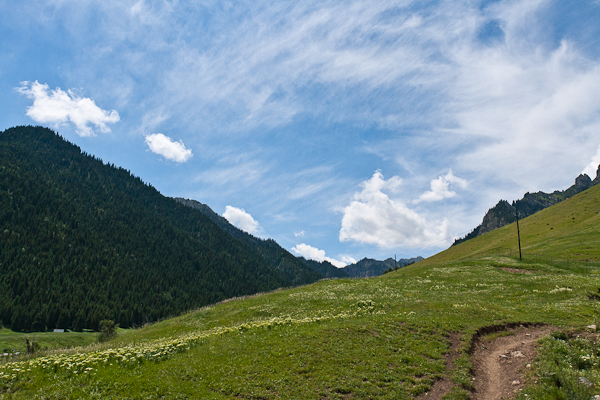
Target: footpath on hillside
x=499 y=365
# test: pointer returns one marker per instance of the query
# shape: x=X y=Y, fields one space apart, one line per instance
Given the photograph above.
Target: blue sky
x=342 y=129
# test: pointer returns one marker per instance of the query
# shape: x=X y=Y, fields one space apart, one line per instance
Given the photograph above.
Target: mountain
x=365 y=268
x=368 y=267
x=503 y=213
x=82 y=241
x=280 y=259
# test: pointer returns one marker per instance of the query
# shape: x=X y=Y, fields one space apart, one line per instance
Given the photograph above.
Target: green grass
x=378 y=338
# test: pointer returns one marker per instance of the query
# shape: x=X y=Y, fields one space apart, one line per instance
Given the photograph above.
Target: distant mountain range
x=503 y=213
x=368 y=267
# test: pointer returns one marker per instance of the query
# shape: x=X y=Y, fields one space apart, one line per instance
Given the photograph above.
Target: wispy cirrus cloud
x=59 y=107
x=424 y=71
x=504 y=92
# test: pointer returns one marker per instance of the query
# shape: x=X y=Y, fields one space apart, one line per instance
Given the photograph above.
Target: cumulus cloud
x=239 y=218
x=374 y=218
x=592 y=167
x=59 y=107
x=312 y=253
x=168 y=148
x=440 y=188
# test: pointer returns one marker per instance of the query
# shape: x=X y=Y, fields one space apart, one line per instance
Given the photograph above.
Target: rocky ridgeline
x=503 y=213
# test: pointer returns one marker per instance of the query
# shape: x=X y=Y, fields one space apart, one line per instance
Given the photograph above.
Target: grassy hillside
x=365 y=338
x=568 y=230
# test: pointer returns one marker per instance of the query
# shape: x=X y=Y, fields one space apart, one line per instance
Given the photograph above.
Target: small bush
x=108 y=330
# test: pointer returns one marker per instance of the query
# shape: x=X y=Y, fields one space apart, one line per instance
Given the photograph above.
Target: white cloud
x=373 y=218
x=312 y=253
x=59 y=107
x=440 y=188
x=299 y=234
x=169 y=149
x=239 y=218
x=592 y=167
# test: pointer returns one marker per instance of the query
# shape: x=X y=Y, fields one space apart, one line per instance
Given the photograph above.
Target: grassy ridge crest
x=567 y=230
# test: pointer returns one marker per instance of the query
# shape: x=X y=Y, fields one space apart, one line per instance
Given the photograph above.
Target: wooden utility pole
x=395 y=263
x=518 y=233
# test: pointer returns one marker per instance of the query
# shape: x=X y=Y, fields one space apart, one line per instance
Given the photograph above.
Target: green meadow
x=378 y=338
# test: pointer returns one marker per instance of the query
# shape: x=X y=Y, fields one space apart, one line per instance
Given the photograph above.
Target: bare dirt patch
x=516 y=270
x=442 y=386
x=499 y=365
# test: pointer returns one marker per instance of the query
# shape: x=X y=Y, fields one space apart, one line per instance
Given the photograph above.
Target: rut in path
x=442 y=386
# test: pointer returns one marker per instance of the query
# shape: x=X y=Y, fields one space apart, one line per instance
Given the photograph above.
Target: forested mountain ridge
x=82 y=241
x=279 y=258
x=299 y=269
x=368 y=267
x=503 y=213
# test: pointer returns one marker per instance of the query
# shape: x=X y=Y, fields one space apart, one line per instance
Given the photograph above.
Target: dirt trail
x=499 y=365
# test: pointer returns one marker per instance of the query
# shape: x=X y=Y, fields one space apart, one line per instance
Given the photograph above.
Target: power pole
x=518 y=233
x=395 y=263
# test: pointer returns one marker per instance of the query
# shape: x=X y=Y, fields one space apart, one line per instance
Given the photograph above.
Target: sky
x=342 y=129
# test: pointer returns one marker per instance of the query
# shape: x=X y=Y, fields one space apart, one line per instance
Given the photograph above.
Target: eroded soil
x=499 y=365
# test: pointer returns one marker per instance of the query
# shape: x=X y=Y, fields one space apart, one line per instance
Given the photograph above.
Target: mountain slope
x=279 y=258
x=298 y=269
x=503 y=213
x=83 y=241
x=569 y=229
